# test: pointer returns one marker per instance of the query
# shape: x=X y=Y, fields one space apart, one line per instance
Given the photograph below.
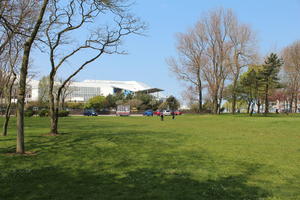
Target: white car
x=166 y=112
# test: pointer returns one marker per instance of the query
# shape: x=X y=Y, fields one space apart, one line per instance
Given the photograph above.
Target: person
x=161 y=116
x=173 y=114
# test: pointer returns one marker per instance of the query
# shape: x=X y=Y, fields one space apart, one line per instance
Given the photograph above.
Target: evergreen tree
x=269 y=76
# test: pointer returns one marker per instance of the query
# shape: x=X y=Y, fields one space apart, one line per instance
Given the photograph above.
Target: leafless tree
x=13 y=58
x=243 y=53
x=65 y=92
x=217 y=24
x=191 y=49
x=24 y=71
x=75 y=15
x=291 y=69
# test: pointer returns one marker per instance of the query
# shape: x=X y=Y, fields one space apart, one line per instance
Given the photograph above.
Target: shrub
x=63 y=113
x=43 y=113
x=28 y=113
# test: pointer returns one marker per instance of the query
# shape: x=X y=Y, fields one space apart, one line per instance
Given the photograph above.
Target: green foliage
x=75 y=105
x=97 y=103
x=173 y=103
x=28 y=113
x=63 y=113
x=270 y=70
x=163 y=106
x=43 y=113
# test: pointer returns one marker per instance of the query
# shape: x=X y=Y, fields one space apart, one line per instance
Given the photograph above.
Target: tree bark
x=8 y=107
x=258 y=106
x=291 y=104
x=234 y=94
x=22 y=83
x=248 y=107
x=267 y=99
x=52 y=107
x=296 y=103
x=200 y=97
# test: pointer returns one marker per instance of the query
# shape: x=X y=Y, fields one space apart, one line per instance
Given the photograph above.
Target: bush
x=63 y=113
x=43 y=113
x=28 y=113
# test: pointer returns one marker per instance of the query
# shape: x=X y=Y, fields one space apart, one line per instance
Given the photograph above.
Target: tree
x=23 y=75
x=243 y=53
x=97 y=103
x=172 y=103
x=13 y=60
x=191 y=49
x=269 y=75
x=291 y=70
x=251 y=87
x=216 y=26
x=67 y=18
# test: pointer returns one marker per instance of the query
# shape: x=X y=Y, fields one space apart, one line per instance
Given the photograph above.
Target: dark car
x=148 y=113
x=90 y=113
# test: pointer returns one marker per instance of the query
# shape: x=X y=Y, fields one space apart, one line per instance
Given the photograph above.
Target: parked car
x=167 y=113
x=148 y=113
x=157 y=113
x=177 y=112
x=90 y=112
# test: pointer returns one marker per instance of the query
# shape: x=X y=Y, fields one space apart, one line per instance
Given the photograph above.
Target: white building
x=83 y=91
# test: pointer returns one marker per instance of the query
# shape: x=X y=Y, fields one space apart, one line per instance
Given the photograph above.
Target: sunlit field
x=192 y=157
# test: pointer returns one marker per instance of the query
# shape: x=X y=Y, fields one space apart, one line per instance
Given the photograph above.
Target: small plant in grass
x=29 y=113
x=63 y=113
x=43 y=113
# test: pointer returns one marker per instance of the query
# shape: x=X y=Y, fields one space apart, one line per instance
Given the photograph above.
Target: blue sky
x=276 y=22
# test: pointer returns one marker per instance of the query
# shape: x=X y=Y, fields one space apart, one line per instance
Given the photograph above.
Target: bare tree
x=65 y=92
x=65 y=19
x=291 y=69
x=217 y=24
x=23 y=76
x=243 y=53
x=13 y=56
x=16 y=18
x=191 y=49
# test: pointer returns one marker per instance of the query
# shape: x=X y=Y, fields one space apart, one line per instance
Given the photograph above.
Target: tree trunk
x=252 y=109
x=52 y=107
x=22 y=81
x=215 y=104
x=267 y=99
x=8 y=107
x=296 y=103
x=21 y=99
x=248 y=107
x=234 y=96
x=291 y=103
x=258 y=106
x=200 y=97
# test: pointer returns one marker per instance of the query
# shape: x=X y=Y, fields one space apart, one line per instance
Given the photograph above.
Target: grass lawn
x=192 y=157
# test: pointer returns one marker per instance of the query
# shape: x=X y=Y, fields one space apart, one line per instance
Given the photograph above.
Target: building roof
x=133 y=86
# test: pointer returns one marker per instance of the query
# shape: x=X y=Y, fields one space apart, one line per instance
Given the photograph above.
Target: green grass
x=192 y=157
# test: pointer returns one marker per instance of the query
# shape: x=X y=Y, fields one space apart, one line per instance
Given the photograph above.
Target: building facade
x=83 y=91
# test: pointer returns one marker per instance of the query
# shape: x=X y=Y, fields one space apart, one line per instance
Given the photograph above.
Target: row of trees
x=215 y=50
x=219 y=57
x=54 y=27
x=138 y=102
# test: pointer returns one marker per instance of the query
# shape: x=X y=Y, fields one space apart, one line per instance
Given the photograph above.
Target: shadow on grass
x=62 y=184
